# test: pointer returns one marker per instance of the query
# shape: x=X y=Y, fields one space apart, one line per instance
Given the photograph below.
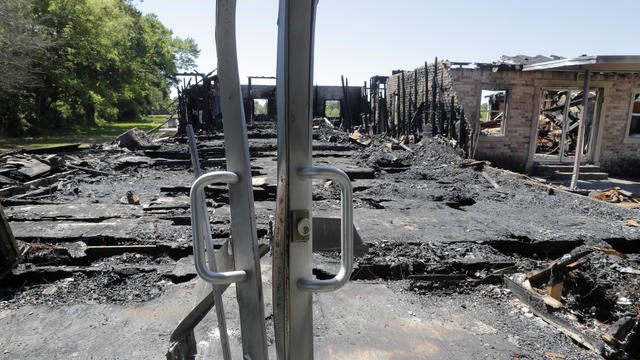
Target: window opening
x=332 y=108
x=260 y=107
x=493 y=105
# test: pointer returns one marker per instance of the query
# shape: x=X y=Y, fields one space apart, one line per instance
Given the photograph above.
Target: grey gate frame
x=292 y=261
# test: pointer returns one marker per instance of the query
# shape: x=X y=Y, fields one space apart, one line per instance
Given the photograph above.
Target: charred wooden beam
x=543 y=274
x=417 y=129
x=425 y=112
x=403 y=120
x=441 y=117
x=452 y=119
x=539 y=308
x=9 y=253
x=434 y=90
x=416 y=115
x=345 y=111
x=462 y=132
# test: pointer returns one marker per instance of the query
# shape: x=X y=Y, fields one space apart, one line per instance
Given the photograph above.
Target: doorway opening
x=558 y=122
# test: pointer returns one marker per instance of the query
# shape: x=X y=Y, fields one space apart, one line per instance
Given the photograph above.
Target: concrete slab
x=93 y=331
x=419 y=221
x=379 y=320
x=113 y=229
x=75 y=211
x=360 y=321
x=631 y=185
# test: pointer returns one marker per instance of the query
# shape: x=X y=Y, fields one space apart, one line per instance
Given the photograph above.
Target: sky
x=361 y=38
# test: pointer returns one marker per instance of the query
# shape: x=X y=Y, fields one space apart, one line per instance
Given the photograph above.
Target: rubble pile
x=601 y=293
x=616 y=195
x=111 y=224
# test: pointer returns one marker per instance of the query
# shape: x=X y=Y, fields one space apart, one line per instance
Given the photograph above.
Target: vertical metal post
x=583 y=118
x=217 y=295
x=292 y=306
x=243 y=224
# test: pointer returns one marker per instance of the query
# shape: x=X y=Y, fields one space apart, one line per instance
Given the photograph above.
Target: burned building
x=524 y=112
x=199 y=103
x=328 y=101
x=426 y=97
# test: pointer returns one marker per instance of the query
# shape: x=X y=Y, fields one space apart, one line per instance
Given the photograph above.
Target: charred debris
x=110 y=223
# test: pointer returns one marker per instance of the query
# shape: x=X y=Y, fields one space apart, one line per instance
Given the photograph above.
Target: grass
x=483 y=115
x=104 y=132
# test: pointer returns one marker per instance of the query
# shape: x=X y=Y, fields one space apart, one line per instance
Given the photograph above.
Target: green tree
x=332 y=108
x=107 y=62
x=260 y=107
x=483 y=111
x=23 y=50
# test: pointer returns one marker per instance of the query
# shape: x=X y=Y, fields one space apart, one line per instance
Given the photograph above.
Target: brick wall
x=617 y=157
x=512 y=149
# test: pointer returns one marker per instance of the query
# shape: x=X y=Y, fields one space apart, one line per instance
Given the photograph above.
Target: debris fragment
x=57 y=162
x=624 y=335
x=130 y=198
x=133 y=139
x=475 y=163
x=632 y=223
x=490 y=180
x=258 y=181
x=616 y=195
x=401 y=145
x=30 y=168
x=537 y=306
x=541 y=275
x=359 y=138
x=555 y=355
x=556 y=282
x=611 y=252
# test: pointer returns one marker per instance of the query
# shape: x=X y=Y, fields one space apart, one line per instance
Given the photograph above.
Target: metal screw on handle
x=202 y=230
x=346 y=266
x=304 y=227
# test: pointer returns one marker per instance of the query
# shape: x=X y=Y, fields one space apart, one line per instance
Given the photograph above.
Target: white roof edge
x=618 y=59
x=555 y=64
x=585 y=62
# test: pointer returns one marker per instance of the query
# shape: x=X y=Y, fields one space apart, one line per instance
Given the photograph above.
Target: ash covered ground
x=436 y=228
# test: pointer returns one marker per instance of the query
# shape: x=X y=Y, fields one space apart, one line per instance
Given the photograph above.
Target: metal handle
x=202 y=229
x=346 y=266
